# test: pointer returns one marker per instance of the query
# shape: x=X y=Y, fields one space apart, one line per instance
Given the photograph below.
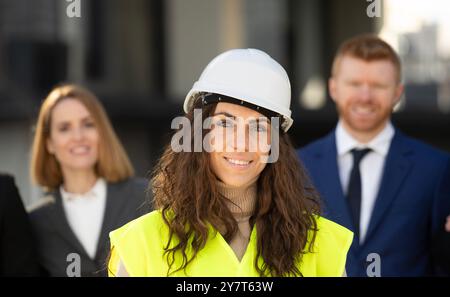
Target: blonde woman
x=88 y=178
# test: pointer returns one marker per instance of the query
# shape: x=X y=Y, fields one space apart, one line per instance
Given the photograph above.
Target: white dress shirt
x=85 y=213
x=371 y=168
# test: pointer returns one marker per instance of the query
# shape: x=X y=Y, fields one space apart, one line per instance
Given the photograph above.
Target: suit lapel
x=115 y=201
x=61 y=224
x=396 y=168
x=329 y=182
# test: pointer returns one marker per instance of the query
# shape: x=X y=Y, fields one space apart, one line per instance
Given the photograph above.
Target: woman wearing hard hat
x=229 y=210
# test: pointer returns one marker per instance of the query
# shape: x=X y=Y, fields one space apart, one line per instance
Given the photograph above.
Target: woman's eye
x=89 y=124
x=258 y=127
x=224 y=123
x=262 y=128
x=63 y=128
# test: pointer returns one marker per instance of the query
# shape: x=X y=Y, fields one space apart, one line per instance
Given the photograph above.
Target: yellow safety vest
x=140 y=246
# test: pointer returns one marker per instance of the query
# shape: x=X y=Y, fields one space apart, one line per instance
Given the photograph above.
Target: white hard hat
x=248 y=75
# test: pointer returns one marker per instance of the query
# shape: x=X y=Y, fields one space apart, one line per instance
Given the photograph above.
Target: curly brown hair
x=185 y=191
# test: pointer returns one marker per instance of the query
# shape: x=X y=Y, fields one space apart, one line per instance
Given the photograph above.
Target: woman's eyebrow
x=225 y=114
x=62 y=123
x=84 y=119
x=260 y=119
x=87 y=118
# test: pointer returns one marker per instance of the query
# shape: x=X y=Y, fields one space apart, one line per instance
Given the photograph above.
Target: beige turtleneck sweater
x=242 y=201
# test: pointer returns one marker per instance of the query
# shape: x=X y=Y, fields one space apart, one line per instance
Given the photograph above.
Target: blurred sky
x=402 y=16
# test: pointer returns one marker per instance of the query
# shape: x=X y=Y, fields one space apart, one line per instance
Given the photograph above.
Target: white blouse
x=85 y=214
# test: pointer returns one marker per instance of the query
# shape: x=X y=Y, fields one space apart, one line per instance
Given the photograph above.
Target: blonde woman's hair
x=112 y=164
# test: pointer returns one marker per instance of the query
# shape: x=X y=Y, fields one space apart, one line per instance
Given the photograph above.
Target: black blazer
x=441 y=251
x=17 y=250
x=125 y=201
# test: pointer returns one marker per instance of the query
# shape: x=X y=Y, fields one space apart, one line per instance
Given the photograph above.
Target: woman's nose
x=241 y=138
x=77 y=133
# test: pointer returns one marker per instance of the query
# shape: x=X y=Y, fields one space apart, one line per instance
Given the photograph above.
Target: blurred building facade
x=142 y=56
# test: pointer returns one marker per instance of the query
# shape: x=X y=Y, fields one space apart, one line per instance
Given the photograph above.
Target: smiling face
x=238 y=134
x=73 y=137
x=365 y=94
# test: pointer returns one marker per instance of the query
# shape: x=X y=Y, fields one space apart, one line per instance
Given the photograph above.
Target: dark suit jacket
x=412 y=204
x=125 y=201
x=17 y=250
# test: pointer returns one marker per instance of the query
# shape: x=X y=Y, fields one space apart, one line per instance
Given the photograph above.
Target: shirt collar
x=96 y=191
x=379 y=144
